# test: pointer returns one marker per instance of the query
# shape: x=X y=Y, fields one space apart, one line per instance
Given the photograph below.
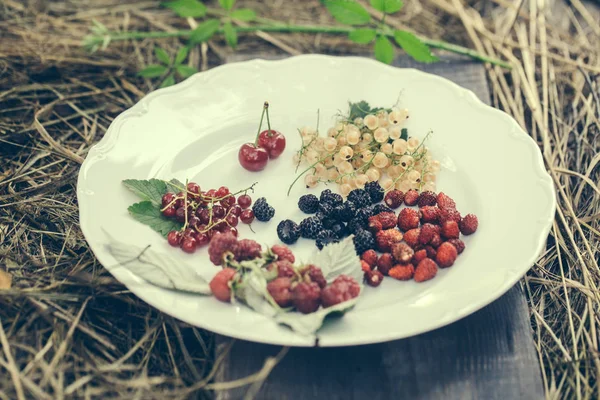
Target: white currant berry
x=312 y=156
x=320 y=170
x=400 y=146
x=413 y=143
x=311 y=180
x=345 y=189
x=342 y=141
x=380 y=160
x=358 y=121
x=435 y=166
x=383 y=122
x=345 y=179
x=340 y=126
x=366 y=155
x=357 y=163
x=429 y=177
x=362 y=179
x=395 y=132
x=346 y=152
x=332 y=132
x=373 y=174
x=330 y=144
x=381 y=135
x=394 y=171
x=386 y=183
x=367 y=137
x=406 y=161
x=387 y=148
x=371 y=122
x=352 y=137
x=329 y=162
x=345 y=167
x=319 y=143
x=414 y=185
x=332 y=174
x=403 y=186
x=413 y=176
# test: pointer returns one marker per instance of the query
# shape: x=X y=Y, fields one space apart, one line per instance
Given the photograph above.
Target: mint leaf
x=227 y=4
x=186 y=8
x=204 y=31
x=152 y=71
x=230 y=34
x=169 y=81
x=404 y=134
x=149 y=214
x=362 y=36
x=184 y=71
x=243 y=14
x=182 y=54
x=384 y=50
x=151 y=190
x=348 y=12
x=387 y=6
x=413 y=46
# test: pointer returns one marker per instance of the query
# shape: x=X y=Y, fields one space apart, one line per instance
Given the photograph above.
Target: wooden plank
x=487 y=355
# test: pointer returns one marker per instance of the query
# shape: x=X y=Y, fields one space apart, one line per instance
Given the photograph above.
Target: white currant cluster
x=365 y=150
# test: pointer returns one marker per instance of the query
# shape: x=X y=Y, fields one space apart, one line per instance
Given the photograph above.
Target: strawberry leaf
x=243 y=14
x=204 y=31
x=186 y=8
x=152 y=71
x=413 y=46
x=149 y=214
x=362 y=36
x=384 y=50
x=387 y=6
x=348 y=12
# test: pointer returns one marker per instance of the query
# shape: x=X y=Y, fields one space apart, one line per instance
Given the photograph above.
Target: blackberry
x=308 y=204
x=288 y=231
x=363 y=215
x=326 y=209
x=355 y=225
x=360 y=198
x=363 y=241
x=339 y=229
x=310 y=227
x=327 y=196
x=375 y=191
x=345 y=212
x=328 y=222
x=379 y=208
x=262 y=210
x=326 y=237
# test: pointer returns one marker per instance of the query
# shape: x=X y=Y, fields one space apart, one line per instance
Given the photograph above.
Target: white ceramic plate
x=491 y=167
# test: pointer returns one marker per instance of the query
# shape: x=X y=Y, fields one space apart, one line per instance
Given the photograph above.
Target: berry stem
x=268 y=120
x=185 y=203
x=266 y=106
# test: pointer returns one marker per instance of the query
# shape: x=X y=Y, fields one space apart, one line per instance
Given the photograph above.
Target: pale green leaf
x=151 y=189
x=362 y=36
x=204 y=31
x=348 y=12
x=227 y=4
x=162 y=56
x=182 y=54
x=387 y=6
x=243 y=14
x=149 y=214
x=384 y=50
x=230 y=34
x=184 y=71
x=414 y=47
x=169 y=81
x=186 y=8
x=152 y=71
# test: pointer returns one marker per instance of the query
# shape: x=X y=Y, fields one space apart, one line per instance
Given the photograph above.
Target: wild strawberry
x=306 y=297
x=426 y=270
x=365 y=266
x=444 y=201
x=427 y=232
x=343 y=288
x=246 y=249
x=219 y=285
x=431 y=251
x=429 y=214
x=220 y=244
x=375 y=224
x=435 y=241
x=459 y=244
x=411 y=197
x=385 y=263
x=449 y=214
x=283 y=253
x=280 y=291
x=402 y=272
x=419 y=256
x=468 y=224
x=385 y=239
x=402 y=252
x=427 y=198
x=388 y=219
x=370 y=257
x=373 y=278
x=411 y=237
x=312 y=273
x=450 y=230
x=446 y=255
x=394 y=198
x=408 y=219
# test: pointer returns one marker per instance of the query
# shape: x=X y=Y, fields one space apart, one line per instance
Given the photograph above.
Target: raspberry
x=459 y=244
x=388 y=219
x=375 y=224
x=288 y=231
x=385 y=239
x=373 y=278
x=345 y=212
x=365 y=266
x=450 y=230
x=352 y=287
x=402 y=272
x=306 y=297
x=262 y=210
x=219 y=285
x=246 y=249
x=429 y=214
x=468 y=225
x=308 y=204
x=375 y=191
x=370 y=257
x=220 y=244
x=326 y=237
x=394 y=198
x=446 y=255
x=449 y=214
x=280 y=291
x=431 y=252
x=427 y=232
x=333 y=199
x=426 y=270
x=411 y=237
x=310 y=227
x=360 y=198
x=285 y=269
x=444 y=201
x=436 y=240
x=402 y=253
x=312 y=273
x=283 y=253
x=339 y=291
x=419 y=256
x=381 y=208
x=427 y=198
x=363 y=241
x=408 y=219
x=385 y=263
x=411 y=197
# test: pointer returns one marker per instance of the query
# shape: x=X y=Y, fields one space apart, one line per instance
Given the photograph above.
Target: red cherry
x=189 y=245
x=253 y=158
x=174 y=238
x=244 y=201
x=169 y=212
x=272 y=141
x=247 y=216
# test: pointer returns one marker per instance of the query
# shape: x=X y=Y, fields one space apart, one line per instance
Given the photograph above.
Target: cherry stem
x=266 y=106
x=268 y=121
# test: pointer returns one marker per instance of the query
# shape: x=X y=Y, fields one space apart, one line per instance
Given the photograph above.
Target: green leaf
x=184 y=71
x=227 y=4
x=187 y=8
x=174 y=186
x=413 y=46
x=230 y=34
x=151 y=189
x=162 y=56
x=169 y=81
x=404 y=134
x=149 y=214
x=387 y=6
x=182 y=54
x=152 y=71
x=384 y=50
x=362 y=36
x=204 y=31
x=243 y=14
x=348 y=12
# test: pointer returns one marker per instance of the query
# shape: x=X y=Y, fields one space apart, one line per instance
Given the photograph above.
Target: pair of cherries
x=268 y=144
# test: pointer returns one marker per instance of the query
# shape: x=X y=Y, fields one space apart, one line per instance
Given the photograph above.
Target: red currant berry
x=222 y=191
x=194 y=222
x=220 y=225
x=174 y=238
x=247 y=216
x=253 y=158
x=193 y=187
x=218 y=211
x=232 y=220
x=202 y=239
x=228 y=201
x=189 y=245
x=169 y=212
x=232 y=230
x=188 y=233
x=211 y=193
x=244 y=201
x=167 y=198
x=273 y=142
x=235 y=210
x=203 y=215
x=180 y=214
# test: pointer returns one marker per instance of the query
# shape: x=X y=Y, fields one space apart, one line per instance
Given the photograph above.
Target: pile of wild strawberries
x=417 y=241
x=301 y=287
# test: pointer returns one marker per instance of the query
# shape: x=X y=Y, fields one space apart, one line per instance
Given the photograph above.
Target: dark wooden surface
x=487 y=355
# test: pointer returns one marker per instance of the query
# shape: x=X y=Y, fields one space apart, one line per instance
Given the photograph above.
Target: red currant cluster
x=204 y=214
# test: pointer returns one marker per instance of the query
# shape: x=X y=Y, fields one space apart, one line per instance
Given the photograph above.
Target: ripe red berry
x=219 y=285
x=167 y=198
x=284 y=268
x=193 y=187
x=222 y=192
x=411 y=197
x=427 y=232
x=180 y=214
x=211 y=193
x=468 y=224
x=385 y=263
x=402 y=272
x=445 y=201
x=247 y=216
x=189 y=244
x=283 y=253
x=232 y=220
x=218 y=211
x=202 y=238
x=169 y=212
x=370 y=256
x=244 y=201
x=312 y=273
x=459 y=244
x=203 y=215
x=352 y=286
x=402 y=253
x=426 y=270
x=373 y=278
x=427 y=198
x=429 y=214
x=231 y=229
x=446 y=255
x=394 y=198
x=306 y=297
x=342 y=289
x=375 y=224
x=388 y=219
x=235 y=210
x=272 y=141
x=365 y=266
x=449 y=214
x=280 y=291
x=450 y=230
x=419 y=256
x=220 y=244
x=246 y=249
x=228 y=201
x=253 y=158
x=174 y=238
x=431 y=251
x=408 y=218
x=384 y=240
x=435 y=241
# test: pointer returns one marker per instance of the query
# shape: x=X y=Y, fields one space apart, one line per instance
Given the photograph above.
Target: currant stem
x=265 y=107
